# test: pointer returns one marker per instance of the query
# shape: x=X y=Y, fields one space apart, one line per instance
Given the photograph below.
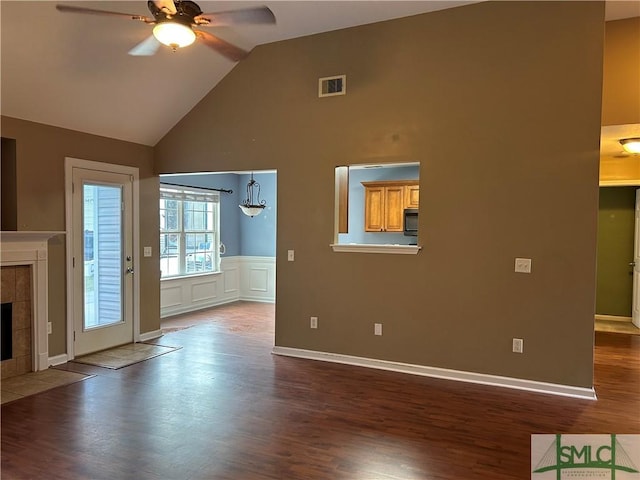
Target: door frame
x=69 y=164
x=635 y=293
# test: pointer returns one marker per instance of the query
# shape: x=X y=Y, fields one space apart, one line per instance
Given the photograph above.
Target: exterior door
x=102 y=214
x=635 y=309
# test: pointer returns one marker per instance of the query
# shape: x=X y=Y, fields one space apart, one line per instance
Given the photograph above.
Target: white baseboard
x=444 y=373
x=189 y=308
x=58 y=359
x=145 y=337
x=248 y=298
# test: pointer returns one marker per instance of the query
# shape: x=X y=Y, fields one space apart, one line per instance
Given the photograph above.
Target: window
x=189 y=231
x=372 y=205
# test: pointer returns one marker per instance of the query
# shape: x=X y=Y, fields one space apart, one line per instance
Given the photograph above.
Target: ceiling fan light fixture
x=631 y=145
x=174 y=34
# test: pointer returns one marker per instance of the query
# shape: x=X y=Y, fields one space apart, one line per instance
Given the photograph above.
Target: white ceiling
x=73 y=71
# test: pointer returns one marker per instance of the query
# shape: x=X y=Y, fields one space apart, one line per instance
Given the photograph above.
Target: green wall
x=616 y=221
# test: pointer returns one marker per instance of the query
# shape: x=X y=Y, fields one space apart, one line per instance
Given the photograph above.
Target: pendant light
x=252 y=205
x=631 y=145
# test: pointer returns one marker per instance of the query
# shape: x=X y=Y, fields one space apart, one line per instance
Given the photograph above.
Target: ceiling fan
x=174 y=21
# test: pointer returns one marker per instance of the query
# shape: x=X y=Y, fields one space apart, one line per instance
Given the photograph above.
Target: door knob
x=129 y=269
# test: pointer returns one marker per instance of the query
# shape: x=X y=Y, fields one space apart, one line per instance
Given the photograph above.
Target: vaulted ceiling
x=73 y=71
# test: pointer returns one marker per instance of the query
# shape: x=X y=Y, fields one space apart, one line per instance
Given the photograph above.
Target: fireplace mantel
x=30 y=248
x=26 y=236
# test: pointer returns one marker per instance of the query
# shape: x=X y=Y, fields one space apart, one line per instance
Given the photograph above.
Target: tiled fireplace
x=15 y=296
x=23 y=269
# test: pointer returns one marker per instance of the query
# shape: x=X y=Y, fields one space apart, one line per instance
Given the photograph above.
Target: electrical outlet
x=291 y=255
x=518 y=345
x=49 y=328
x=313 y=323
x=377 y=329
x=523 y=265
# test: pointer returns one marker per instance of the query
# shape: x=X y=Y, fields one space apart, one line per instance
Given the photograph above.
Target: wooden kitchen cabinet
x=411 y=196
x=384 y=204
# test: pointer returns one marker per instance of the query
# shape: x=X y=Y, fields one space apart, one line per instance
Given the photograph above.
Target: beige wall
x=621 y=92
x=621 y=79
x=41 y=151
x=501 y=104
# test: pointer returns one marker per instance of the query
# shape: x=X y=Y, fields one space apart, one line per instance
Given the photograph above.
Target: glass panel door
x=102 y=227
x=102 y=260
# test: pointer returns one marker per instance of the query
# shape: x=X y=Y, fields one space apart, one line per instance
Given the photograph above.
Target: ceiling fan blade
x=167 y=6
x=149 y=46
x=258 y=15
x=230 y=51
x=91 y=11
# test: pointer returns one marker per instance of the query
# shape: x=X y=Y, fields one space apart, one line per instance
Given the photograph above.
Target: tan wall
x=621 y=79
x=621 y=92
x=41 y=151
x=501 y=104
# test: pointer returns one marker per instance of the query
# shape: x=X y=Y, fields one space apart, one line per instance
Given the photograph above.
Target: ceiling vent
x=331 y=86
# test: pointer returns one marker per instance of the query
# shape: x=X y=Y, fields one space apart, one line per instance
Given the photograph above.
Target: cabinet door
x=394 y=209
x=411 y=196
x=374 y=209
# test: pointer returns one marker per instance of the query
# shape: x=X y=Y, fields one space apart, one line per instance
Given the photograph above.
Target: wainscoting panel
x=241 y=278
x=258 y=279
x=203 y=291
x=171 y=296
x=231 y=277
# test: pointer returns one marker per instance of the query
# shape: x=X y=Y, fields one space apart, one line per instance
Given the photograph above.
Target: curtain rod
x=223 y=190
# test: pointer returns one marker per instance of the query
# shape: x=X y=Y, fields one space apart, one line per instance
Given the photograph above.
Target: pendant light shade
x=631 y=145
x=252 y=205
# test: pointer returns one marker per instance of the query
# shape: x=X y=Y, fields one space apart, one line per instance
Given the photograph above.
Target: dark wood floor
x=224 y=407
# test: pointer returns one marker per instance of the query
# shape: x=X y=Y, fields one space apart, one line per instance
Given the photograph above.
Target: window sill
x=192 y=275
x=364 y=248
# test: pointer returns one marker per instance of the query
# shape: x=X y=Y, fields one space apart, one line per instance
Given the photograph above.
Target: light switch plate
x=291 y=255
x=523 y=265
x=147 y=251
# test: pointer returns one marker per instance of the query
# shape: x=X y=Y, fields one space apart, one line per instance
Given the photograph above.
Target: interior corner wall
x=258 y=234
x=621 y=79
x=500 y=102
x=40 y=186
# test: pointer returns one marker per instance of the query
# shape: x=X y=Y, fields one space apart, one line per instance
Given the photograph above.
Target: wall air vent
x=331 y=86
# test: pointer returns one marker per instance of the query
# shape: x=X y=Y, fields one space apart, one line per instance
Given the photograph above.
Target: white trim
x=69 y=164
x=234 y=282
x=145 y=337
x=31 y=249
x=444 y=373
x=28 y=236
x=58 y=359
x=374 y=248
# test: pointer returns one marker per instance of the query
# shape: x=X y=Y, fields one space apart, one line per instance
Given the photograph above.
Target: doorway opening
x=618 y=270
x=246 y=246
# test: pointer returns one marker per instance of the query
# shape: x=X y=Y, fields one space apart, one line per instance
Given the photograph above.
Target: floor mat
x=125 y=355
x=31 y=383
